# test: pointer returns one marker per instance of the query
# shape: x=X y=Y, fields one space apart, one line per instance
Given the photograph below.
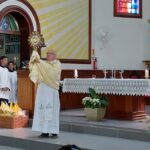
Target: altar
x=126 y=96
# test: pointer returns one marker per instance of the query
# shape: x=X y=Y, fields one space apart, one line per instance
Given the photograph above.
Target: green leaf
x=92 y=93
x=104 y=103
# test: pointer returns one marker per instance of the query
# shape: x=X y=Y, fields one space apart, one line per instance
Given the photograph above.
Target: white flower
x=86 y=99
x=95 y=100
x=89 y=102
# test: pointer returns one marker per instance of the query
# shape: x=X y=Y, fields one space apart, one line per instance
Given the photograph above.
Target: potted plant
x=95 y=105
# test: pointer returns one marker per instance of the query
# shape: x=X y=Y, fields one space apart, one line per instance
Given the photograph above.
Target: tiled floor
x=92 y=142
x=8 y=148
x=27 y=139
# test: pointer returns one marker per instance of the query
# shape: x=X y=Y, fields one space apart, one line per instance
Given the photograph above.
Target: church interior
x=104 y=50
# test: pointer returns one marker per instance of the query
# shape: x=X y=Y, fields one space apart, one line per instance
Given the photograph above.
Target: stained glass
x=9 y=23
x=128 y=6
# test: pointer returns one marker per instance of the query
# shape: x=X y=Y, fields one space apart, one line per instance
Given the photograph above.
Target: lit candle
x=76 y=73
x=146 y=73
x=15 y=59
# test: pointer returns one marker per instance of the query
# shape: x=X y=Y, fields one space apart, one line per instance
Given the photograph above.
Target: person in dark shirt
x=69 y=147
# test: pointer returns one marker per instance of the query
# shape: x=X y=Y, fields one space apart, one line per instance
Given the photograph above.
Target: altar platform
x=25 y=139
x=75 y=121
x=75 y=129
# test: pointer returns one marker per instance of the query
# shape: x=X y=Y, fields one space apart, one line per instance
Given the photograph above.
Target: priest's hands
x=35 y=58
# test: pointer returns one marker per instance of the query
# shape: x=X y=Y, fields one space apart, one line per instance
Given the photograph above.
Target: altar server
x=47 y=105
x=13 y=82
x=4 y=80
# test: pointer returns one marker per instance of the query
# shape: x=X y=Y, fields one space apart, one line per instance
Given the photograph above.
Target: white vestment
x=13 y=86
x=47 y=108
x=4 y=82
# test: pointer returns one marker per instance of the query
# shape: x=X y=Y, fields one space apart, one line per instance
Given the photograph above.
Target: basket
x=13 y=122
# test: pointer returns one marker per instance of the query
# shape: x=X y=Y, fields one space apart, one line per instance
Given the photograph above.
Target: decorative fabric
x=138 y=87
x=44 y=71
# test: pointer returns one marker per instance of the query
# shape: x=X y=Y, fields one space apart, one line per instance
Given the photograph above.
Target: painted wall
x=128 y=39
x=127 y=42
x=64 y=25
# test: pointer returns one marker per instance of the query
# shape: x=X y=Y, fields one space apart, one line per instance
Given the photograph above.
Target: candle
x=146 y=73
x=15 y=59
x=76 y=73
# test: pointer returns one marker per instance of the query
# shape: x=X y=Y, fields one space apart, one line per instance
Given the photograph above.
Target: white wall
x=129 y=39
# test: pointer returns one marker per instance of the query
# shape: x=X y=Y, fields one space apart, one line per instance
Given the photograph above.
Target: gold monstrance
x=36 y=40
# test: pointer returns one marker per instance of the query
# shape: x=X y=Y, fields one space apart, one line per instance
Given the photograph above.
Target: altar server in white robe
x=47 y=106
x=13 y=82
x=4 y=80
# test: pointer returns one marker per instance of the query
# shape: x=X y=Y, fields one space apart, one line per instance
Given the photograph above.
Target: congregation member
x=13 y=82
x=4 y=80
x=47 y=105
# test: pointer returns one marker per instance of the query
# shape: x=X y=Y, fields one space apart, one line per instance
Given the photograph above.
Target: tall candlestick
x=146 y=73
x=76 y=73
x=112 y=73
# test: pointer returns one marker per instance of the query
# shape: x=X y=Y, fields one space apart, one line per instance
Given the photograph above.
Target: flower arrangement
x=94 y=100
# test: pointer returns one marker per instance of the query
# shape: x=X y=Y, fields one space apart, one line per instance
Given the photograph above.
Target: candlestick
x=105 y=73
x=93 y=76
x=146 y=73
x=112 y=73
x=76 y=73
x=121 y=72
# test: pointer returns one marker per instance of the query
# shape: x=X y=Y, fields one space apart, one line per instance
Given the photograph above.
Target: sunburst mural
x=65 y=27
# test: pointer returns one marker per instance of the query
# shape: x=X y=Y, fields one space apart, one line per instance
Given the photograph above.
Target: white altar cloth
x=134 y=87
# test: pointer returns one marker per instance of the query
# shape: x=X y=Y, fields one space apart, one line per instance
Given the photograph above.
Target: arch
x=27 y=19
x=22 y=7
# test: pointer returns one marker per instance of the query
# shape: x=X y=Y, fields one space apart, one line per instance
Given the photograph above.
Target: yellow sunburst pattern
x=65 y=27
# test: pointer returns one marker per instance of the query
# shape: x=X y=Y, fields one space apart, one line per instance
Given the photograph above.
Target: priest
x=4 y=80
x=46 y=73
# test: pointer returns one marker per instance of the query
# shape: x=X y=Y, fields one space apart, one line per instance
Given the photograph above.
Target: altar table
x=126 y=96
